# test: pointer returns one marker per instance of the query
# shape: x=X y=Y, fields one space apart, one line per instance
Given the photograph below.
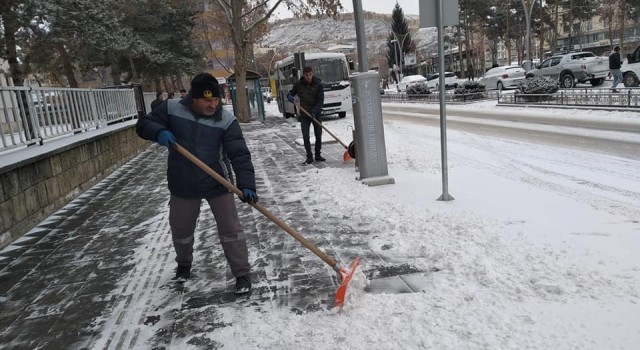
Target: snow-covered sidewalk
x=538 y=250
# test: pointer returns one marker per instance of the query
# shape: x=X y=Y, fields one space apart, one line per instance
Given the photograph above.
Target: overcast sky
x=410 y=7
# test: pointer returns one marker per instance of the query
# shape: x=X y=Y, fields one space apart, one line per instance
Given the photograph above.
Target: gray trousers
x=617 y=77
x=183 y=216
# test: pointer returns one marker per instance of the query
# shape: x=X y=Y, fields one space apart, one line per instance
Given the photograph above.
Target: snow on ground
x=538 y=250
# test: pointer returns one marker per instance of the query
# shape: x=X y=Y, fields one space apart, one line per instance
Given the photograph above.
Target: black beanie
x=204 y=85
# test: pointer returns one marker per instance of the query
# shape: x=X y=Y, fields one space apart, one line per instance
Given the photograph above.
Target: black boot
x=183 y=273
x=243 y=284
x=308 y=161
x=319 y=158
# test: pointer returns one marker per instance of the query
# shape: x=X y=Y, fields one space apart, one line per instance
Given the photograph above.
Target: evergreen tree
x=399 y=41
x=157 y=41
x=75 y=30
x=19 y=19
x=146 y=39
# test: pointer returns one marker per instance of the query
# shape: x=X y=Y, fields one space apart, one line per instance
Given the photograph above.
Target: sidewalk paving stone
x=78 y=279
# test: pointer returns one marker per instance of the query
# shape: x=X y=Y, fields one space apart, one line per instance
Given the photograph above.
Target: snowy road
x=603 y=135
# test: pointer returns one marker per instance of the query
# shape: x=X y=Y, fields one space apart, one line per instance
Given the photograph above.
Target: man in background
x=615 y=63
x=158 y=101
x=311 y=94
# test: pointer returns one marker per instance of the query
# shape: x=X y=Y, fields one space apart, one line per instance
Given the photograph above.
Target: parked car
x=631 y=69
x=43 y=99
x=450 y=81
x=266 y=94
x=410 y=80
x=504 y=77
x=573 y=67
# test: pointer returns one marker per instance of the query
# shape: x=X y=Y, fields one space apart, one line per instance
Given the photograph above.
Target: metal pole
x=402 y=56
x=527 y=15
x=363 y=64
x=395 y=56
x=443 y=114
x=395 y=59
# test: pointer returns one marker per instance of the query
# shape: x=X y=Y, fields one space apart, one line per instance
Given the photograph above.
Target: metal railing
x=30 y=115
x=450 y=97
x=584 y=97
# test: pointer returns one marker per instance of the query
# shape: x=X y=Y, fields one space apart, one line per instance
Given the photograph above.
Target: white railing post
x=94 y=108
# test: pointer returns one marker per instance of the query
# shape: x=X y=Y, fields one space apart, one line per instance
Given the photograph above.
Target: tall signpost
x=438 y=13
x=371 y=154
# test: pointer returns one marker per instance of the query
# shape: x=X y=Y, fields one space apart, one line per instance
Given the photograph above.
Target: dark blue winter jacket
x=311 y=95
x=216 y=140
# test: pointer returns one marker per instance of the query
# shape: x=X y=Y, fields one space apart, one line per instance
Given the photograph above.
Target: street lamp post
x=401 y=43
x=527 y=14
x=395 y=52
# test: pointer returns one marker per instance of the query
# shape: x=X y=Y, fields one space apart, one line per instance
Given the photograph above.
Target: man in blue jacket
x=200 y=124
x=311 y=94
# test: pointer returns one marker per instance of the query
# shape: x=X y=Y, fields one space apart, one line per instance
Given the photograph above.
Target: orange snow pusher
x=345 y=274
x=346 y=156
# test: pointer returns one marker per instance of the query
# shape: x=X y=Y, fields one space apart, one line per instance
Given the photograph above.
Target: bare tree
x=244 y=18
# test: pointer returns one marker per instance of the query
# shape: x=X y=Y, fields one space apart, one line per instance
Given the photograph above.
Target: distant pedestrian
x=199 y=123
x=183 y=93
x=171 y=95
x=615 y=63
x=158 y=101
x=311 y=94
x=252 y=98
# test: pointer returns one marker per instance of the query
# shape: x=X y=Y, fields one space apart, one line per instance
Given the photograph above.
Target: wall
x=33 y=189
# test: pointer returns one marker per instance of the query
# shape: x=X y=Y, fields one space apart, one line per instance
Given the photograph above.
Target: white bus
x=331 y=68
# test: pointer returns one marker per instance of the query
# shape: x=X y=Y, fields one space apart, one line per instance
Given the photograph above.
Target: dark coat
x=156 y=103
x=311 y=95
x=216 y=140
x=614 y=61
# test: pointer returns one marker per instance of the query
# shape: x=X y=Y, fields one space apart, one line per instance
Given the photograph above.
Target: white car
x=504 y=77
x=450 y=81
x=410 y=80
x=266 y=92
x=631 y=69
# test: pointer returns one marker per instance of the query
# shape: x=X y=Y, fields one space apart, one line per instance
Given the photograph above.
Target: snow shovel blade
x=346 y=157
x=346 y=274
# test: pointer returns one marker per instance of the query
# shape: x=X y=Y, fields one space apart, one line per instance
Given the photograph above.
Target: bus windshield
x=330 y=70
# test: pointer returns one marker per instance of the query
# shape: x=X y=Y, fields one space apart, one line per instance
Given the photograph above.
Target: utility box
x=369 y=129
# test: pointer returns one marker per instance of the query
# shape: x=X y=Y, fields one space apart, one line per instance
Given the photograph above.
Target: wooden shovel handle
x=276 y=220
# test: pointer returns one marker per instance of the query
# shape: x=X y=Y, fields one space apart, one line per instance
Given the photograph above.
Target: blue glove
x=249 y=196
x=166 y=138
x=290 y=98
